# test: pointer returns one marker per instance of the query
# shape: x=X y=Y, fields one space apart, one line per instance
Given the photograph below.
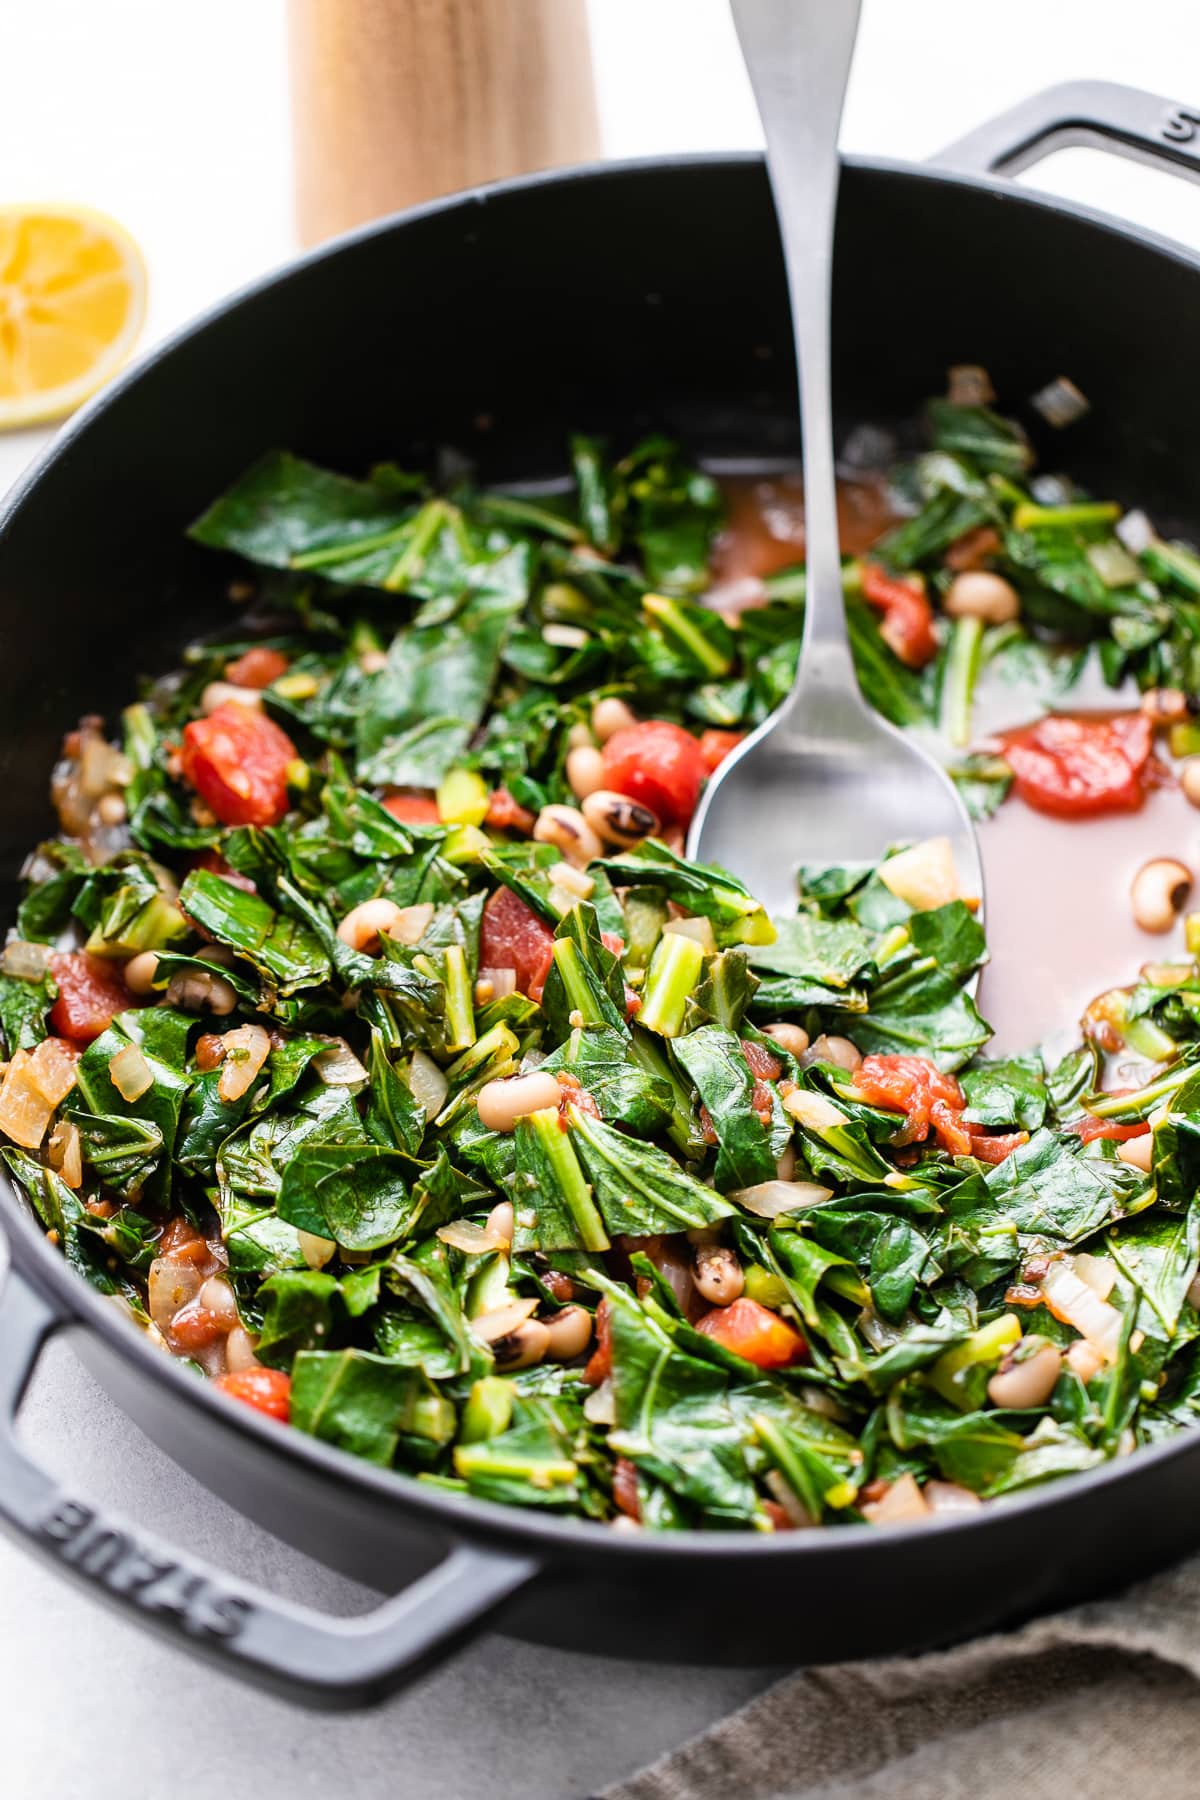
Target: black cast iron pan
x=607 y=299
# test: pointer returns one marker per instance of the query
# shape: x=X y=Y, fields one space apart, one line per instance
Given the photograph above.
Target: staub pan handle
x=327 y=1662
x=1103 y=115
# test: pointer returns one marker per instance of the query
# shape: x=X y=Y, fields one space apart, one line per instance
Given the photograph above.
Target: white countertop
x=174 y=119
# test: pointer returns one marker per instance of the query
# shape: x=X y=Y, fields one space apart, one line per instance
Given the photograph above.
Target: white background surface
x=173 y=117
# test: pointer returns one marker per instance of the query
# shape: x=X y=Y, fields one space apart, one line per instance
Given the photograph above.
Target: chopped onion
x=472 y=1239
x=820 y=1400
x=173 y=1282
x=576 y=881
x=1072 y=1301
x=339 y=1067
x=813 y=1110
x=903 y=1503
x=968 y=384
x=564 y=637
x=1099 y=1272
x=315 y=1250
x=949 y=1497
x=1060 y=402
x=247 y=1048
x=1053 y=490
x=428 y=1084
x=1084 y=1360
x=1136 y=532
x=65 y=1152
x=786 y=1496
x=25 y=1111
x=101 y=765
x=1113 y=564
x=130 y=1074
x=25 y=962
x=52 y=1066
x=768 y=1199
x=600 y=1407
x=699 y=929
x=503 y=982
x=493 y=1326
x=411 y=923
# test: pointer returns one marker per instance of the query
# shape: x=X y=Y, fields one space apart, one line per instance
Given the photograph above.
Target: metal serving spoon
x=825 y=779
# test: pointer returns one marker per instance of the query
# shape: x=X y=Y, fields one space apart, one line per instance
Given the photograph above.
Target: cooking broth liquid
x=1059 y=922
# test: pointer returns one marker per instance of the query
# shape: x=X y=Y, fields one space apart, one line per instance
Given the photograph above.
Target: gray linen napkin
x=1102 y=1703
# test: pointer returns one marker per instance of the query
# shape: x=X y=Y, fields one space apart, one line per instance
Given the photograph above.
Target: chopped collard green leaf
x=341 y=1051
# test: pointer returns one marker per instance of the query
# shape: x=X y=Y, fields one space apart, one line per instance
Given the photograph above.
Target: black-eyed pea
x=501 y=1103
x=1026 y=1381
x=618 y=820
x=1158 y=893
x=566 y=828
x=569 y=1333
x=611 y=715
x=584 y=770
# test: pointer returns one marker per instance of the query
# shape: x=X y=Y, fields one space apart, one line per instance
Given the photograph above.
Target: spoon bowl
x=825 y=779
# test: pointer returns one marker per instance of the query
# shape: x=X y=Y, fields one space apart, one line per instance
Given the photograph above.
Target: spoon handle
x=798 y=55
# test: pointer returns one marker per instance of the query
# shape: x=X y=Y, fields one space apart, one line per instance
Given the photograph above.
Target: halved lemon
x=72 y=301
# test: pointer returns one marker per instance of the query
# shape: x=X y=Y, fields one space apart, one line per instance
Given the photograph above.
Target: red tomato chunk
x=258 y=668
x=266 y=1390
x=907 y=626
x=506 y=814
x=90 y=994
x=237 y=760
x=755 y=1332
x=930 y=1101
x=658 y=764
x=927 y=1098
x=413 y=809
x=511 y=936
x=1076 y=768
x=715 y=746
x=1088 y=1129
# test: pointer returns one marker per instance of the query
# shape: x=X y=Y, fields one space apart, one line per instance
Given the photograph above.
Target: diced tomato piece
x=760 y=1100
x=257 y=668
x=237 y=760
x=599 y=1364
x=90 y=994
x=755 y=1332
x=715 y=746
x=1088 y=1129
x=658 y=764
x=183 y=1243
x=266 y=1390
x=194 y=1326
x=917 y=1088
x=613 y=942
x=779 y=1519
x=413 y=809
x=1075 y=767
x=511 y=936
x=994 y=1146
x=574 y=1094
x=706 y=1125
x=907 y=615
x=504 y=813
x=763 y=1065
x=625 y=1488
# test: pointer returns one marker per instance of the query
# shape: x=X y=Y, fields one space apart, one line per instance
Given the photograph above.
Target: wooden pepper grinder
x=397 y=101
